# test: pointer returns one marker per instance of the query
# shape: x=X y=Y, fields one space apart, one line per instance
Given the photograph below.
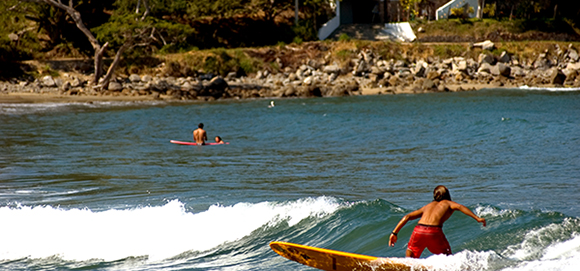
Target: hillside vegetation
x=244 y=36
x=457 y=30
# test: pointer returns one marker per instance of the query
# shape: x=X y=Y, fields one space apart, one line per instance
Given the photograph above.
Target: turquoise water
x=99 y=186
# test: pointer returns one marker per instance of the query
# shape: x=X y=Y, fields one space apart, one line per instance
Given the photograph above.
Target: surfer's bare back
x=199 y=135
x=429 y=231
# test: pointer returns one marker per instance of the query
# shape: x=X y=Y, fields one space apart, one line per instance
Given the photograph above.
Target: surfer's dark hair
x=200 y=125
x=440 y=193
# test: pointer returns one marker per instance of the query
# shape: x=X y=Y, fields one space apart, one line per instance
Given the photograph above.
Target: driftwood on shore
x=315 y=78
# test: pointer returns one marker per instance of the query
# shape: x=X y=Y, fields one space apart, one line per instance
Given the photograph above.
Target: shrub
x=343 y=37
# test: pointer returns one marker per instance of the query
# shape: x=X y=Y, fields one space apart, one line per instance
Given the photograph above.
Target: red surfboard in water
x=193 y=143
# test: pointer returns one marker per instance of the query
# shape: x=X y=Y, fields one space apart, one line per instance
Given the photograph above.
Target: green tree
x=18 y=39
x=314 y=14
x=217 y=8
x=270 y=8
x=411 y=6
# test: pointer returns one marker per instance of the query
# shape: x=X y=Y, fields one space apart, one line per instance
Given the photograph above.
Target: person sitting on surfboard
x=429 y=232
x=199 y=135
x=219 y=140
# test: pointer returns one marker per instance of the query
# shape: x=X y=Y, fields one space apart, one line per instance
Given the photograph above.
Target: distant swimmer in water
x=219 y=140
x=199 y=135
x=429 y=232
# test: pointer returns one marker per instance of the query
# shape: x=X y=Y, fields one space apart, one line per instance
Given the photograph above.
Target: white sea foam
x=548 y=248
x=489 y=211
x=19 y=108
x=549 y=89
x=566 y=259
x=32 y=108
x=536 y=241
x=564 y=250
x=464 y=260
x=157 y=232
x=561 y=256
x=552 y=247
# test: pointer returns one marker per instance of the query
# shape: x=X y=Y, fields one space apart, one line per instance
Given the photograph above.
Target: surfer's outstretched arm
x=410 y=216
x=465 y=210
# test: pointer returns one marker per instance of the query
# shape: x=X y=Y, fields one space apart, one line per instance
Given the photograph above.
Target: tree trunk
x=480 y=6
x=111 y=71
x=512 y=13
x=147 y=10
x=296 y=12
x=99 y=63
x=76 y=16
x=99 y=50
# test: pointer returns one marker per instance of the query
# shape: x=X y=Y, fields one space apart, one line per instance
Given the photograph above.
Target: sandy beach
x=23 y=97
x=16 y=97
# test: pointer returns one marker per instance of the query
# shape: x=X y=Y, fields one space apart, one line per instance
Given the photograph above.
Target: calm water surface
x=99 y=186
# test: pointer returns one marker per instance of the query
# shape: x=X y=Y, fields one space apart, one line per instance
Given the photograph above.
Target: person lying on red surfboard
x=429 y=232
x=219 y=140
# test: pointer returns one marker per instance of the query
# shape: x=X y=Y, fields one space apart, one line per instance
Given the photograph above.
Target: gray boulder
x=419 y=69
x=334 y=68
x=48 y=81
x=290 y=91
x=217 y=83
x=542 y=62
x=135 y=78
x=186 y=86
x=556 y=77
x=400 y=64
x=573 y=55
x=65 y=86
x=460 y=65
x=484 y=67
x=485 y=58
x=573 y=66
x=428 y=84
x=114 y=86
x=518 y=72
x=504 y=57
x=75 y=82
x=146 y=78
x=433 y=74
x=501 y=69
x=485 y=45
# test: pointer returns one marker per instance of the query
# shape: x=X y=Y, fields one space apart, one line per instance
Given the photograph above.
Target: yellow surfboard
x=332 y=260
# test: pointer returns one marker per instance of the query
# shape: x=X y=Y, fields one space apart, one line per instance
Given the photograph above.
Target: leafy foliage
x=409 y=6
x=18 y=37
x=217 y=8
x=217 y=61
x=180 y=25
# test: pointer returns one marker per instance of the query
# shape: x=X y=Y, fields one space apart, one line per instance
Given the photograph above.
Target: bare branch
x=99 y=63
x=14 y=7
x=116 y=60
x=162 y=39
x=147 y=10
x=76 y=16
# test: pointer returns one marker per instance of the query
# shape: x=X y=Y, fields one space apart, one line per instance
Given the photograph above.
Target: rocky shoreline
x=366 y=74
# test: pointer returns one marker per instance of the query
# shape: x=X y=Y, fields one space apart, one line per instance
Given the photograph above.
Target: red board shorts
x=430 y=237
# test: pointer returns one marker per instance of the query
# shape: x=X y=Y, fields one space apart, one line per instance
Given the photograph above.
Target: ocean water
x=98 y=186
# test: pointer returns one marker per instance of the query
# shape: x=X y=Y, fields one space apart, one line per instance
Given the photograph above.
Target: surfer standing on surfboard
x=199 y=135
x=429 y=232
